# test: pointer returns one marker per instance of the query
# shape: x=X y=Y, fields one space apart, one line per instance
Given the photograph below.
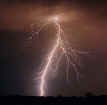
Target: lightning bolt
x=71 y=54
x=49 y=61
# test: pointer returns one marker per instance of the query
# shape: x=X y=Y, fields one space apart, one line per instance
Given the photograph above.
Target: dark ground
x=89 y=99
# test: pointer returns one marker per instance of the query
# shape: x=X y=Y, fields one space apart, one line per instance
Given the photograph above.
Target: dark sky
x=20 y=58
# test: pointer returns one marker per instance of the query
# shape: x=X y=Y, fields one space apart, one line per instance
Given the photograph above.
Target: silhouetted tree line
x=89 y=98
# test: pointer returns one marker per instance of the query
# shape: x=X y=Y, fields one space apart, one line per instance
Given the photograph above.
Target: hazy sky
x=85 y=26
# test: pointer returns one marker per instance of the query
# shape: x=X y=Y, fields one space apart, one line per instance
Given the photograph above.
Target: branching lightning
x=71 y=54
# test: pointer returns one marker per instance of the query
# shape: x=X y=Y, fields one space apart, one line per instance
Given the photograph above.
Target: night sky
x=20 y=58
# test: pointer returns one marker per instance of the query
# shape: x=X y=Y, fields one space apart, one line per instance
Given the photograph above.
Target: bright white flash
x=56 y=18
x=71 y=54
